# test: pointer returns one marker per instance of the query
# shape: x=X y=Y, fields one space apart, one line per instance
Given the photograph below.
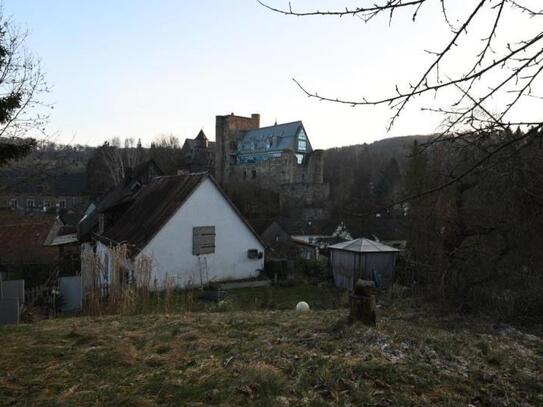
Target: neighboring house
x=198 y=154
x=186 y=226
x=22 y=239
x=63 y=238
x=46 y=192
x=365 y=259
x=117 y=199
x=305 y=239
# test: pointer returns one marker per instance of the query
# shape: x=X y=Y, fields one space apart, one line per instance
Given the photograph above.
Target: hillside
x=269 y=358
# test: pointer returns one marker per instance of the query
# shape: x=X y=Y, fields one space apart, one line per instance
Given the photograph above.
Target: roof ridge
x=274 y=125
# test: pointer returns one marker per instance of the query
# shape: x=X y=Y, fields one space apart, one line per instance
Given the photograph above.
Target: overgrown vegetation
x=271 y=358
x=478 y=243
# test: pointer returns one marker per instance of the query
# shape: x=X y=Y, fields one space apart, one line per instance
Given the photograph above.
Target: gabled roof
x=191 y=143
x=126 y=191
x=153 y=207
x=201 y=136
x=282 y=135
x=22 y=240
x=363 y=245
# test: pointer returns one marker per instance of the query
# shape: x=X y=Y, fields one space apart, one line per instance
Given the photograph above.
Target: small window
x=203 y=240
x=46 y=205
x=13 y=203
x=302 y=145
x=62 y=204
x=30 y=203
x=300 y=158
x=302 y=135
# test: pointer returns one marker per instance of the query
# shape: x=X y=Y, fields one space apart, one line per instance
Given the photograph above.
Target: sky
x=139 y=68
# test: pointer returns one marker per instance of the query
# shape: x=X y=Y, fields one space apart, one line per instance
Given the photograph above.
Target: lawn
x=270 y=357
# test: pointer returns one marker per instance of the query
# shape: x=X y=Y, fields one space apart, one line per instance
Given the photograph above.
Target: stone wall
x=226 y=137
x=272 y=174
x=300 y=187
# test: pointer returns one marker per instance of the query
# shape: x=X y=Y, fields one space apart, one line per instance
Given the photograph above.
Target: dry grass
x=269 y=358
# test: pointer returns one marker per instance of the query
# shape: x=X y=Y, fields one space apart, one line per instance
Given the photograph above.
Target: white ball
x=302 y=306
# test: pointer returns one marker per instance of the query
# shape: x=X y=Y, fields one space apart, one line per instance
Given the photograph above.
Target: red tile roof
x=22 y=238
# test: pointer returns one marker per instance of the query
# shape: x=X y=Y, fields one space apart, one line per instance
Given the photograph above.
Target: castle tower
x=201 y=140
x=227 y=134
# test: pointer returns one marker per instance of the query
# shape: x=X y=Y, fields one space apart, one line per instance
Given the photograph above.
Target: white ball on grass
x=302 y=306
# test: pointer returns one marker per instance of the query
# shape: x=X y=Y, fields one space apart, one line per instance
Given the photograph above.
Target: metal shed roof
x=363 y=245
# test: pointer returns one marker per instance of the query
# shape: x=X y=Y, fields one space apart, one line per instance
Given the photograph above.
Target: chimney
x=256 y=119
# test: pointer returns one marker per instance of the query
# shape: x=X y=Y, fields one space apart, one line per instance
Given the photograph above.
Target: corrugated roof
x=155 y=204
x=152 y=208
x=363 y=245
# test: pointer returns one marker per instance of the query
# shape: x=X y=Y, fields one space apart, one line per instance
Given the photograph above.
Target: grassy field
x=270 y=357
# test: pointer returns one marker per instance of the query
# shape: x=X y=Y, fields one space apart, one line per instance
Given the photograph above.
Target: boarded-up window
x=203 y=240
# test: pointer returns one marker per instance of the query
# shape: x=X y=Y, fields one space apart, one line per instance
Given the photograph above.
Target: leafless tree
x=117 y=160
x=22 y=89
x=492 y=85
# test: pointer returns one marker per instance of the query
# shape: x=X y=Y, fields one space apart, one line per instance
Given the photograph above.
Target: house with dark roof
x=48 y=191
x=23 y=243
x=115 y=201
x=287 y=237
x=186 y=227
x=198 y=154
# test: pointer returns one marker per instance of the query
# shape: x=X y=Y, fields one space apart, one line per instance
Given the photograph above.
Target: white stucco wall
x=171 y=248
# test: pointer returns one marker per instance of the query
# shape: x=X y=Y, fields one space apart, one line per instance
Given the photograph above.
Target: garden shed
x=362 y=258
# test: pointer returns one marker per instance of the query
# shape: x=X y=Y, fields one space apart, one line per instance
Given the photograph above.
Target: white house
x=190 y=230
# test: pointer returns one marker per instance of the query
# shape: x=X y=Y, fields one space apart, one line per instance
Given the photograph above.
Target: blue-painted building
x=260 y=144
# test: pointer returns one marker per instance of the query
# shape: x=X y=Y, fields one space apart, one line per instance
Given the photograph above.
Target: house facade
x=51 y=193
x=188 y=230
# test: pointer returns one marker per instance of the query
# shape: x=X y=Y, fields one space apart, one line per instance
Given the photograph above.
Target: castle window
x=13 y=203
x=300 y=158
x=30 y=203
x=253 y=174
x=61 y=204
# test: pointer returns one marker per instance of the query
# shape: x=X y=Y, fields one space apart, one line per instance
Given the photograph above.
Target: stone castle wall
x=226 y=138
x=272 y=174
x=300 y=187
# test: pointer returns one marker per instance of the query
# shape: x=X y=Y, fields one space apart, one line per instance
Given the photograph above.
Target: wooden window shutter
x=203 y=240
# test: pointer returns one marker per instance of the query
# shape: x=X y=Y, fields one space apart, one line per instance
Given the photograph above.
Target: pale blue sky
x=134 y=68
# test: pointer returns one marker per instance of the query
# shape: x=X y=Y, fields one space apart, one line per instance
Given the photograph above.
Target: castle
x=278 y=159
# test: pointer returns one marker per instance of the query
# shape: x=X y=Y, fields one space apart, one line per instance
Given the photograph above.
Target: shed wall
x=347 y=267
